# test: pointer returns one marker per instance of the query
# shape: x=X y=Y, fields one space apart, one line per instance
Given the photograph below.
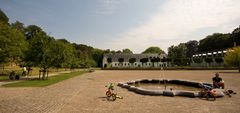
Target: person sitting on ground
x=217 y=81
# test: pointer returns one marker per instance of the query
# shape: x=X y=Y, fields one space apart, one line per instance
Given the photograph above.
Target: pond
x=161 y=86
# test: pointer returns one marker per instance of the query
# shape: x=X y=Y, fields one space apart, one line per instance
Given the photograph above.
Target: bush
x=219 y=60
x=208 y=60
x=197 y=60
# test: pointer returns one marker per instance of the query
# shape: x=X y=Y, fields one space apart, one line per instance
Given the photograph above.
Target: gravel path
x=86 y=94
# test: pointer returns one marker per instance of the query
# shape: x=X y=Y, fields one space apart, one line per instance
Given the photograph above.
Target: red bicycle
x=208 y=94
x=111 y=96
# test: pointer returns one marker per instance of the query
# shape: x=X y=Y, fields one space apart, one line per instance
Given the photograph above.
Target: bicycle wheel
x=108 y=93
x=114 y=97
x=211 y=97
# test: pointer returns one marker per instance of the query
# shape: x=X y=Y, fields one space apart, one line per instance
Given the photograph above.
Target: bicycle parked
x=207 y=92
x=109 y=93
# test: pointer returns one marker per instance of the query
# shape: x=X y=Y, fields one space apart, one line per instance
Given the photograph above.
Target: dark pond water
x=161 y=86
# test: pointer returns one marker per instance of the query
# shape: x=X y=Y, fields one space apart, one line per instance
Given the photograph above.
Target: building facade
x=209 y=59
x=121 y=60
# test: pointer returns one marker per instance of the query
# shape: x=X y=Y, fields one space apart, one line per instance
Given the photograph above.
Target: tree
x=218 y=60
x=64 y=53
x=3 y=17
x=41 y=52
x=97 y=56
x=119 y=51
x=32 y=30
x=109 y=60
x=128 y=51
x=192 y=47
x=235 y=36
x=197 y=60
x=121 y=60
x=177 y=53
x=232 y=57
x=84 y=54
x=19 y=26
x=144 y=60
x=156 y=50
x=154 y=60
x=12 y=44
x=214 y=42
x=132 y=60
x=208 y=60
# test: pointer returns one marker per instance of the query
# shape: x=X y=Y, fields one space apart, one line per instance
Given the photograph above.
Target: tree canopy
x=232 y=57
x=12 y=44
x=127 y=51
x=153 y=49
x=214 y=42
x=235 y=36
x=3 y=17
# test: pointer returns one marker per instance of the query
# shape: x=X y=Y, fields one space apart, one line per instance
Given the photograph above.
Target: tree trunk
x=2 y=68
x=239 y=69
x=44 y=74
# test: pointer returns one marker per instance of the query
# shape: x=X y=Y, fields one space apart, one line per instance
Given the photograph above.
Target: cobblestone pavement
x=38 y=100
x=86 y=94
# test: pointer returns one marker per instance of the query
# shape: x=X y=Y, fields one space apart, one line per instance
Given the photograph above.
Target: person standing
x=24 y=71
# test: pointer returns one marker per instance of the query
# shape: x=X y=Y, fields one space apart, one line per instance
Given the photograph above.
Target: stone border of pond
x=129 y=85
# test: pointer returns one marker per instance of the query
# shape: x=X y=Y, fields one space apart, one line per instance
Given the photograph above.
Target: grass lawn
x=4 y=78
x=42 y=83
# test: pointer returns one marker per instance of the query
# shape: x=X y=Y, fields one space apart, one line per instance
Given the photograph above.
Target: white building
x=121 y=60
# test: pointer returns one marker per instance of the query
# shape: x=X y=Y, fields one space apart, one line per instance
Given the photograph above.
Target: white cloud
x=176 y=21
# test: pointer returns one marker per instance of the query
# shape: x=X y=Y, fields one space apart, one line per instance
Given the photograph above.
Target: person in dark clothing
x=217 y=81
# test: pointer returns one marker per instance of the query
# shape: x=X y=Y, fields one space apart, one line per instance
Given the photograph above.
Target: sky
x=133 y=24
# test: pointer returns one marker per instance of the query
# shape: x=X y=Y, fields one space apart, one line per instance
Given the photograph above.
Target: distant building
x=121 y=60
x=209 y=59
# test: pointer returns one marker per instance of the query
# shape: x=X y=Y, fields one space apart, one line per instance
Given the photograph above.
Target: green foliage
x=232 y=57
x=177 y=51
x=197 y=60
x=43 y=83
x=40 y=52
x=121 y=60
x=33 y=30
x=12 y=44
x=155 y=59
x=219 y=60
x=192 y=47
x=132 y=60
x=144 y=60
x=214 y=42
x=109 y=60
x=19 y=26
x=156 y=50
x=165 y=59
x=235 y=36
x=3 y=17
x=98 y=56
x=208 y=59
x=128 y=51
x=63 y=54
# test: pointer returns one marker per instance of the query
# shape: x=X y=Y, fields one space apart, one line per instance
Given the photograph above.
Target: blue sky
x=133 y=24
